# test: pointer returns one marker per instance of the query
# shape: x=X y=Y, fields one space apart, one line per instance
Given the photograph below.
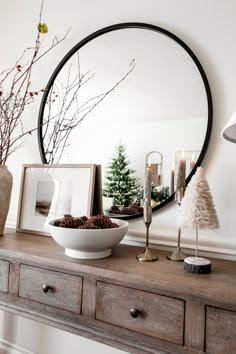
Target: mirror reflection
x=134 y=88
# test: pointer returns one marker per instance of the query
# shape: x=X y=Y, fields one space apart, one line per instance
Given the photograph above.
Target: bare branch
x=16 y=95
x=58 y=124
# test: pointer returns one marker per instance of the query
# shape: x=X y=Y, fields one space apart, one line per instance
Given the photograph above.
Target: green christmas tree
x=120 y=180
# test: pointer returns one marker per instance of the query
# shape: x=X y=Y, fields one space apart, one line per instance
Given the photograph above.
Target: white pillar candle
x=147 y=187
x=172 y=180
x=181 y=174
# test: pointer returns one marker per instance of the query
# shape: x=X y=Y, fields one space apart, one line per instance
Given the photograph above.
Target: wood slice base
x=197 y=265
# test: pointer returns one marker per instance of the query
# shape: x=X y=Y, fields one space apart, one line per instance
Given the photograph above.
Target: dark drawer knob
x=134 y=313
x=46 y=288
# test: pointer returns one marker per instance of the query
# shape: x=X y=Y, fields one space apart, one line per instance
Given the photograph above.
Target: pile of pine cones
x=82 y=222
x=133 y=209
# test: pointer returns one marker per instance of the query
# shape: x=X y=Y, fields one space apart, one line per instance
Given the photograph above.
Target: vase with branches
x=16 y=93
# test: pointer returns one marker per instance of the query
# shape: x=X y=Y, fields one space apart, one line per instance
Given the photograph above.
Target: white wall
x=208 y=27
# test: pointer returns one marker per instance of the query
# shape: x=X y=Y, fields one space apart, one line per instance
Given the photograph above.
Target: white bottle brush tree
x=197 y=210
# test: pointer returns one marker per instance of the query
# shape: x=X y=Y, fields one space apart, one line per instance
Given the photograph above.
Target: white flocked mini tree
x=197 y=210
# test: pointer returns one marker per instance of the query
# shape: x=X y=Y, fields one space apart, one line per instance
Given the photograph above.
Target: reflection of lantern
x=154 y=160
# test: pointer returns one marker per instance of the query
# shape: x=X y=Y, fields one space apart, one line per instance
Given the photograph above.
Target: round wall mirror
x=132 y=89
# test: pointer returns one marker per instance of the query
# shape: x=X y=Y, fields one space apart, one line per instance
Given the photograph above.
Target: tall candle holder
x=146 y=255
x=177 y=255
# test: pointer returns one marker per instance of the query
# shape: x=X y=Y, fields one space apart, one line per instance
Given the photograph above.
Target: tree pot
x=5 y=195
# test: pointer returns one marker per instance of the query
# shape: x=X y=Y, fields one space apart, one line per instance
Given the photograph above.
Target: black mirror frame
x=141 y=26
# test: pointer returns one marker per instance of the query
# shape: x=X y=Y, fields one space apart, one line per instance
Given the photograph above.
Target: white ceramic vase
x=5 y=195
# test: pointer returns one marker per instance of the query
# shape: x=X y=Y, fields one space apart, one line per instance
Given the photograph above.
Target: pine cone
x=95 y=222
x=114 y=210
x=77 y=222
x=138 y=208
x=100 y=221
x=125 y=211
x=67 y=221
x=57 y=222
x=88 y=226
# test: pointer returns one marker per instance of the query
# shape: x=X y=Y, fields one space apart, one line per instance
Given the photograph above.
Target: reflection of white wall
x=165 y=83
x=197 y=23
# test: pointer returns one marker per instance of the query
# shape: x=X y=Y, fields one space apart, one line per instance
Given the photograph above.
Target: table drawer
x=56 y=289
x=4 y=276
x=158 y=316
x=220 y=331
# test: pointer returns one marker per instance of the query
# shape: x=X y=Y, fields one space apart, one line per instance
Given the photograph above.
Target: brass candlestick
x=177 y=254
x=147 y=256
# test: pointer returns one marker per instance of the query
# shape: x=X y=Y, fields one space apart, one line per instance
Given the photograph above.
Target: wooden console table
x=138 y=307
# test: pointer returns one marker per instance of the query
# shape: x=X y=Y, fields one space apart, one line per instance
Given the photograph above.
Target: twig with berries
x=16 y=94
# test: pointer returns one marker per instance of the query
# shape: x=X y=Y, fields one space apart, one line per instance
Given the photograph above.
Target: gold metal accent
x=179 y=194
x=147 y=215
x=147 y=256
x=177 y=255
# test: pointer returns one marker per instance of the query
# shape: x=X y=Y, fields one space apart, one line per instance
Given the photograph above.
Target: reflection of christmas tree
x=159 y=193
x=120 y=181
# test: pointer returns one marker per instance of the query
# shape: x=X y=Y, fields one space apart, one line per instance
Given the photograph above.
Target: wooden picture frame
x=50 y=191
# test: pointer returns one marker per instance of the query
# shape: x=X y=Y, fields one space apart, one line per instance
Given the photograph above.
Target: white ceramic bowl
x=88 y=243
